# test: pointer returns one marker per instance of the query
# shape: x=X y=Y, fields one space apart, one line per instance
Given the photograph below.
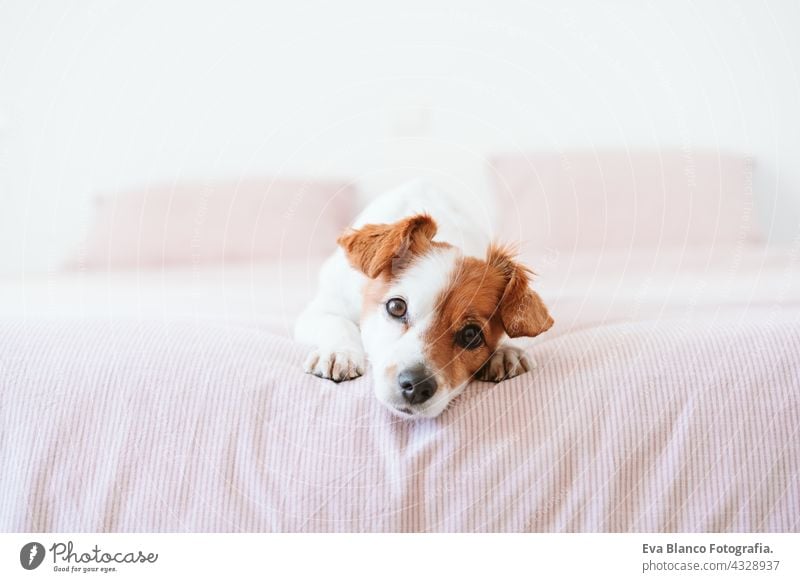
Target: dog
x=417 y=289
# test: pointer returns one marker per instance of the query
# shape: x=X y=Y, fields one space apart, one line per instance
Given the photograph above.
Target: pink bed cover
x=667 y=398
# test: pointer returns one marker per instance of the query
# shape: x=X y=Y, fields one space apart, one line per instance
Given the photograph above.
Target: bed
x=171 y=399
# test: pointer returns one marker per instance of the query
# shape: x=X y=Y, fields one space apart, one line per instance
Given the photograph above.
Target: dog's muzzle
x=417 y=384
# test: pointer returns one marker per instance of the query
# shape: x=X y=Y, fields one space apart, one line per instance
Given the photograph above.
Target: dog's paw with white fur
x=506 y=362
x=336 y=365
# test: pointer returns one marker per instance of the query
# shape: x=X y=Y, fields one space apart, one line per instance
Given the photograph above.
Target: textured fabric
x=667 y=398
x=586 y=199
x=194 y=224
x=666 y=426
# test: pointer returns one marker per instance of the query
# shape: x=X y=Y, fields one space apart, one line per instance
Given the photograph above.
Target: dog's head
x=431 y=316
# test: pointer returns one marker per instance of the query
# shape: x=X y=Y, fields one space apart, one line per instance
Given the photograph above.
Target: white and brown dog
x=417 y=289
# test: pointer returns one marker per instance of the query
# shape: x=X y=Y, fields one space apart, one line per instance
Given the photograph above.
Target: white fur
x=390 y=350
x=330 y=323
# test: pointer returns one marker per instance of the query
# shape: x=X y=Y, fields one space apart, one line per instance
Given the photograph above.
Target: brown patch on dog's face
x=493 y=296
x=386 y=249
x=471 y=299
x=383 y=251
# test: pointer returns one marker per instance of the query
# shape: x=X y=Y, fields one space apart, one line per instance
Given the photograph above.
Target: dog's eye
x=396 y=307
x=470 y=337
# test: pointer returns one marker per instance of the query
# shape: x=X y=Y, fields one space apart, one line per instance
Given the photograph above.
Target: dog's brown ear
x=377 y=248
x=522 y=311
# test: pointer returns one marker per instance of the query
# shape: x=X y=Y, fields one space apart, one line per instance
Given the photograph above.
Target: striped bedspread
x=671 y=423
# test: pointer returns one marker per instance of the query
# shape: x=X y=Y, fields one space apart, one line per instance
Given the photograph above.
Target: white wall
x=101 y=95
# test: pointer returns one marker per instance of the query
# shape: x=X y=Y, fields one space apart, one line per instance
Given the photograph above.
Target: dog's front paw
x=506 y=362
x=336 y=365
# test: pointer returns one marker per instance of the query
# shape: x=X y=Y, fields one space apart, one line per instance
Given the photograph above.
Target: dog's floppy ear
x=375 y=248
x=522 y=311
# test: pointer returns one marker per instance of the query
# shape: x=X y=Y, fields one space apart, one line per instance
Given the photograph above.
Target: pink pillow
x=615 y=198
x=213 y=222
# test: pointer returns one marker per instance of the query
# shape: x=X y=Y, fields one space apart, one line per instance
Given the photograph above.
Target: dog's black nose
x=417 y=384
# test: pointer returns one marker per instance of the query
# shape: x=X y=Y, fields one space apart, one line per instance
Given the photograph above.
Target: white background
x=100 y=96
x=390 y=557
